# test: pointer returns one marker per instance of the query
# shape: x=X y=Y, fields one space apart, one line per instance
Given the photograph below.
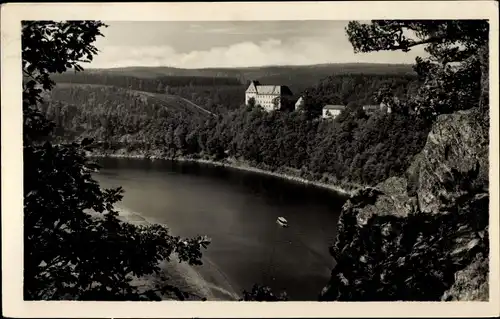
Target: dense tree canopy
x=451 y=74
x=446 y=40
x=262 y=293
x=413 y=258
x=213 y=93
x=362 y=89
x=75 y=245
x=49 y=47
x=355 y=148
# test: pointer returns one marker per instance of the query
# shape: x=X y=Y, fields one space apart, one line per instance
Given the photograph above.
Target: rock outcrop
x=424 y=236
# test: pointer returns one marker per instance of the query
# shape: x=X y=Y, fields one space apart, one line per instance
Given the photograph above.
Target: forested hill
x=102 y=112
x=220 y=90
x=249 y=73
x=353 y=149
x=150 y=115
x=297 y=78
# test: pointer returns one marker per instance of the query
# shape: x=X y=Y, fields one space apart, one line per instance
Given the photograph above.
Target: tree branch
x=415 y=43
x=30 y=75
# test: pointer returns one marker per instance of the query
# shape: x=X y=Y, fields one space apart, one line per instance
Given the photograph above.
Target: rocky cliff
x=424 y=236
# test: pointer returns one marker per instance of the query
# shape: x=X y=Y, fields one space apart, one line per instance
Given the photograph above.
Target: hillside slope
x=175 y=101
x=63 y=91
x=113 y=114
x=356 y=148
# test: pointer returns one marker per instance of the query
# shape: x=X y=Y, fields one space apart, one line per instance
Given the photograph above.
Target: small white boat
x=282 y=222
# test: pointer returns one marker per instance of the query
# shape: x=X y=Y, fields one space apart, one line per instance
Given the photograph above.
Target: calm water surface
x=238 y=211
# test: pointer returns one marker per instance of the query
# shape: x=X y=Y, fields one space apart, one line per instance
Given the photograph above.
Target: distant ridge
x=296 y=77
x=276 y=74
x=320 y=65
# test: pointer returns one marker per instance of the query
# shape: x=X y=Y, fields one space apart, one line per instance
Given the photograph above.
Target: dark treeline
x=296 y=77
x=221 y=94
x=216 y=99
x=359 y=89
x=215 y=94
x=159 y=84
x=355 y=148
x=113 y=114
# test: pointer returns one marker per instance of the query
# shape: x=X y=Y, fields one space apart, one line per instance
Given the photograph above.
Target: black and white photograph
x=273 y=161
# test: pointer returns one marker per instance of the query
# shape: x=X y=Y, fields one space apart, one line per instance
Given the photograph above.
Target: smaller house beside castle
x=370 y=109
x=332 y=111
x=267 y=96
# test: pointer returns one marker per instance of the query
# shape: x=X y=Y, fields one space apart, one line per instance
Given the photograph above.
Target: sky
x=205 y=44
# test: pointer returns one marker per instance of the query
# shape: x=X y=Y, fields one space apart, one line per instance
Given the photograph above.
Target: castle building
x=267 y=96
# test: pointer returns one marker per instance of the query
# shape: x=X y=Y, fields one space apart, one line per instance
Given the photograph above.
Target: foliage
x=414 y=257
x=212 y=93
x=262 y=293
x=251 y=102
x=354 y=148
x=156 y=84
x=296 y=77
x=75 y=246
x=221 y=90
x=356 y=88
x=410 y=258
x=451 y=75
x=50 y=47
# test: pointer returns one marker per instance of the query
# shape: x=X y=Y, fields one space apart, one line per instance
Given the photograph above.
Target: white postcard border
x=12 y=205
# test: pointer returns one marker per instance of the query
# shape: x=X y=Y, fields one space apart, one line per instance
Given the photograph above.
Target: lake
x=238 y=211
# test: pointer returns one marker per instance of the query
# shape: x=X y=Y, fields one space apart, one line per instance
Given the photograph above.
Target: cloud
x=218 y=30
x=297 y=51
x=240 y=30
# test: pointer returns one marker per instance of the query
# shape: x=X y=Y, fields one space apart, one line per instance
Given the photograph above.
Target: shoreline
x=188 y=278
x=234 y=165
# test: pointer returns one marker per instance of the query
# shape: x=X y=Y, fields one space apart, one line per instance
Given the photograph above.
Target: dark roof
x=268 y=89
x=285 y=90
x=272 y=89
